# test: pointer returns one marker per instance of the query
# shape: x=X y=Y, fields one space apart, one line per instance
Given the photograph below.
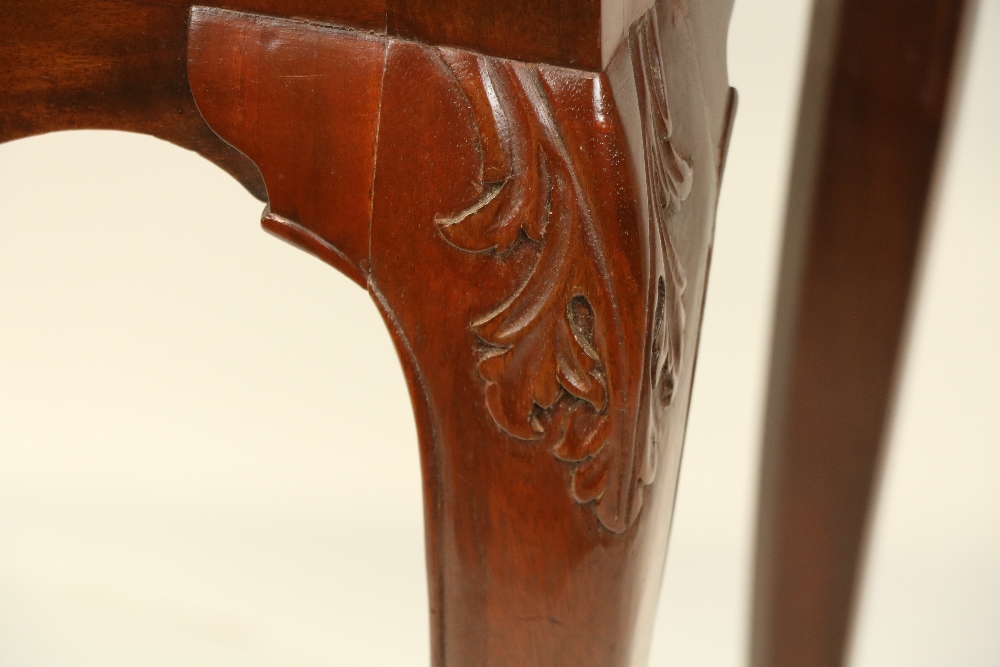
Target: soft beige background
x=206 y=450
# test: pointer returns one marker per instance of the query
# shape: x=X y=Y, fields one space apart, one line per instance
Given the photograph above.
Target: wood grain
x=120 y=64
x=305 y=110
x=536 y=238
x=539 y=242
x=562 y=32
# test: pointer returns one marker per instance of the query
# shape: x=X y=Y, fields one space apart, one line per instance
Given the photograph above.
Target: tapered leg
x=878 y=78
x=537 y=241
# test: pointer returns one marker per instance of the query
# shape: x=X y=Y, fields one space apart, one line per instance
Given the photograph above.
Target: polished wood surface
x=873 y=107
x=536 y=237
x=537 y=240
x=562 y=32
x=527 y=190
x=302 y=101
x=120 y=64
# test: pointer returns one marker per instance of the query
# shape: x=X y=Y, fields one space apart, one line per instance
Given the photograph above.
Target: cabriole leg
x=537 y=241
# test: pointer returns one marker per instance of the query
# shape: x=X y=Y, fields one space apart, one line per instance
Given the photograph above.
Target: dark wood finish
x=562 y=32
x=877 y=84
x=537 y=239
x=120 y=64
x=539 y=242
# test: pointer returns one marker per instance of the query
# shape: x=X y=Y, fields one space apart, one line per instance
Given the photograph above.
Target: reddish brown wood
x=872 y=113
x=562 y=32
x=120 y=64
x=317 y=155
x=539 y=241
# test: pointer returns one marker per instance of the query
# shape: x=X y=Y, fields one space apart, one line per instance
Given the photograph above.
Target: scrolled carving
x=540 y=342
x=546 y=350
x=668 y=181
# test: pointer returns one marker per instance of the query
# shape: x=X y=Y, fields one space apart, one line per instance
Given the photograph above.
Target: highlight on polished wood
x=526 y=189
x=537 y=241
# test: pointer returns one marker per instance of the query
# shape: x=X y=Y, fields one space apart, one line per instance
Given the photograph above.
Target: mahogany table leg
x=878 y=78
x=537 y=240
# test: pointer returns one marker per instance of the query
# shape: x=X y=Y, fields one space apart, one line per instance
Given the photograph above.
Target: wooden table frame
x=527 y=190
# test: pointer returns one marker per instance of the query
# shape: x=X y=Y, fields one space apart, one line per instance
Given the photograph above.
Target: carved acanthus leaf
x=668 y=181
x=541 y=341
x=554 y=350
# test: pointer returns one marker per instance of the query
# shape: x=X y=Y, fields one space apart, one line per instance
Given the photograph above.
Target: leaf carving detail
x=550 y=350
x=669 y=180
